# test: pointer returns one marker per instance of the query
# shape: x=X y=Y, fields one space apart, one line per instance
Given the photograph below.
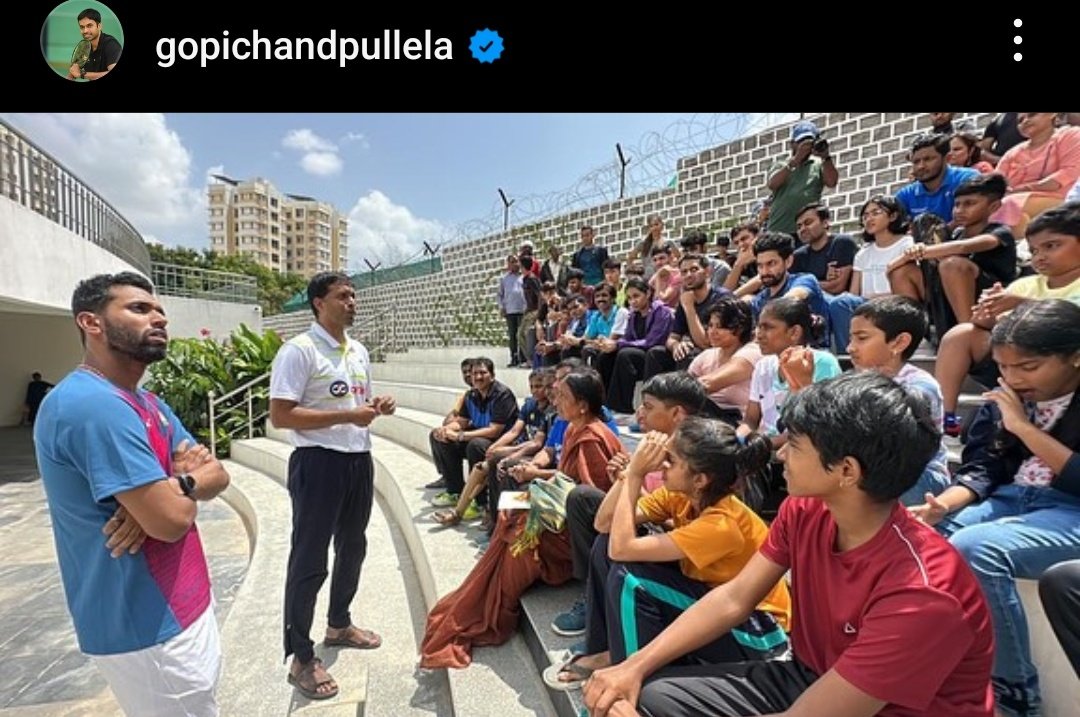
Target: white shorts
x=174 y=679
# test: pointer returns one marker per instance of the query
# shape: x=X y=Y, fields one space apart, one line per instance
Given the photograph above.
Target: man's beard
x=771 y=281
x=130 y=343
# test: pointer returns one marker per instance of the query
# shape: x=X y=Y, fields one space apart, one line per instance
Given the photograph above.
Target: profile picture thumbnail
x=82 y=40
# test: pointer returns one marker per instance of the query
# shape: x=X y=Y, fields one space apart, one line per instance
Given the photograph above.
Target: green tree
x=273 y=288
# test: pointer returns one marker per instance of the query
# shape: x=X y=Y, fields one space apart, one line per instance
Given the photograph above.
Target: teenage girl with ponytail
x=636 y=588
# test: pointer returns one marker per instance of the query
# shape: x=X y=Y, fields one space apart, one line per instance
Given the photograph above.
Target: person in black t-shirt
x=829 y=257
x=999 y=137
x=979 y=254
x=104 y=49
x=35 y=394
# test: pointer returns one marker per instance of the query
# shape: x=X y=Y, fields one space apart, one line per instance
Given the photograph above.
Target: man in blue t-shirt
x=773 y=253
x=935 y=182
x=115 y=459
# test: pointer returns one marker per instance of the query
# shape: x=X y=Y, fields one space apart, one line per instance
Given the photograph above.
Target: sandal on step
x=446 y=518
x=306 y=683
x=571 y=667
x=368 y=640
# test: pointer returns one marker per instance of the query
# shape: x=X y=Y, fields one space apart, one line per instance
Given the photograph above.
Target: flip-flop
x=370 y=640
x=551 y=675
x=305 y=682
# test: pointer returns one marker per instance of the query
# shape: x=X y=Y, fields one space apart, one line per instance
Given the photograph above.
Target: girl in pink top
x=725 y=368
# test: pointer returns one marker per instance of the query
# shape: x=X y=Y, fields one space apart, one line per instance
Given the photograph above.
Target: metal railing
x=246 y=404
x=35 y=179
x=378 y=332
x=198 y=283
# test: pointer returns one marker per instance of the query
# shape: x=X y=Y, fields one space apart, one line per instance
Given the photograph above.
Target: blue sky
x=401 y=178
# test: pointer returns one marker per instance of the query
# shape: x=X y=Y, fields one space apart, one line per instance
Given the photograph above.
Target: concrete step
x=254 y=678
x=540 y=607
x=450 y=355
x=447 y=376
x=409 y=427
x=424 y=397
x=501 y=680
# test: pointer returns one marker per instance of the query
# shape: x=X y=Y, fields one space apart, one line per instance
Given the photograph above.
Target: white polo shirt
x=317 y=372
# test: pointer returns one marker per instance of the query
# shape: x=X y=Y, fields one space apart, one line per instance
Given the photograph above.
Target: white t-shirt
x=317 y=372
x=622 y=318
x=1074 y=193
x=872 y=262
x=770 y=391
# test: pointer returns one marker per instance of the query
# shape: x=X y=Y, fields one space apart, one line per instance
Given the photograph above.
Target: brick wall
x=713 y=188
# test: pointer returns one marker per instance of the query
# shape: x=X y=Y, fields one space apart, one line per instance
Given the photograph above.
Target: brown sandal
x=446 y=518
x=368 y=640
x=306 y=683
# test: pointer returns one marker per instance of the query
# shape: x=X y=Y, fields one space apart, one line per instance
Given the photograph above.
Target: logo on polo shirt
x=849 y=629
x=339 y=389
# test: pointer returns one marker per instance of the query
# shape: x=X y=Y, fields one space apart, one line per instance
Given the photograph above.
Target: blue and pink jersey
x=93 y=441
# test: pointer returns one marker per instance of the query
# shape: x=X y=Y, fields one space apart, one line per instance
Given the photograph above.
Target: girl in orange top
x=636 y=589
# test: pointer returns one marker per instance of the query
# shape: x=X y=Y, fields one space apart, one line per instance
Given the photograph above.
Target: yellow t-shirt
x=716 y=544
x=1034 y=287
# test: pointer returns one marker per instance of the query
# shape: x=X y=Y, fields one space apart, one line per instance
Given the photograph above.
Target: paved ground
x=42 y=671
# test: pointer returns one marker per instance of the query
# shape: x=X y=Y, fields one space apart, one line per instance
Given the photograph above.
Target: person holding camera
x=800 y=179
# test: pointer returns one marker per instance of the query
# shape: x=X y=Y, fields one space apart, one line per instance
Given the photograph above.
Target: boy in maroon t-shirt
x=888 y=619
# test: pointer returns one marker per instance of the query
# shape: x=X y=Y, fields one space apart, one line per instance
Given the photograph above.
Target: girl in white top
x=784 y=331
x=885 y=238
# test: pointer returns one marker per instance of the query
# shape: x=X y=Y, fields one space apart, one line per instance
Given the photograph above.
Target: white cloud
x=320 y=154
x=380 y=230
x=357 y=137
x=321 y=163
x=135 y=162
x=307 y=141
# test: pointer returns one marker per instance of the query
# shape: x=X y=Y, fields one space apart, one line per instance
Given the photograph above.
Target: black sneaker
x=439 y=484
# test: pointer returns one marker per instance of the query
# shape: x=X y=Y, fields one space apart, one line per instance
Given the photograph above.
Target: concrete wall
x=40 y=265
x=42 y=262
x=188 y=317
x=49 y=344
x=713 y=187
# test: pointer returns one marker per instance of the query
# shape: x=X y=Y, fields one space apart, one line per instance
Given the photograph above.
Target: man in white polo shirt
x=320 y=387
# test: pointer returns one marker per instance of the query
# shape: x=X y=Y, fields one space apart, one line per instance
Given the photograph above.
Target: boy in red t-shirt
x=888 y=619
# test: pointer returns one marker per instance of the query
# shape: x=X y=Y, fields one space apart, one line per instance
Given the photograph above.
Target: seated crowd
x=694 y=455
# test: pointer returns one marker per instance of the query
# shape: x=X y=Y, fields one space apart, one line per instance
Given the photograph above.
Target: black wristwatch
x=187 y=484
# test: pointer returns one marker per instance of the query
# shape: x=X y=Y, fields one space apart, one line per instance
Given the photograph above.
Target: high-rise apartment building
x=284 y=232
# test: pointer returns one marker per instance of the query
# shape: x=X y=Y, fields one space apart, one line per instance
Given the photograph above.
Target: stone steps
x=372 y=683
x=501 y=680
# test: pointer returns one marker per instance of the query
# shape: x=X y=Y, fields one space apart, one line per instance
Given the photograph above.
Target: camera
x=821 y=145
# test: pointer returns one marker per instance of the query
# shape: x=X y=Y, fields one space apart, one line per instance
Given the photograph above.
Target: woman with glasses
x=885 y=238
